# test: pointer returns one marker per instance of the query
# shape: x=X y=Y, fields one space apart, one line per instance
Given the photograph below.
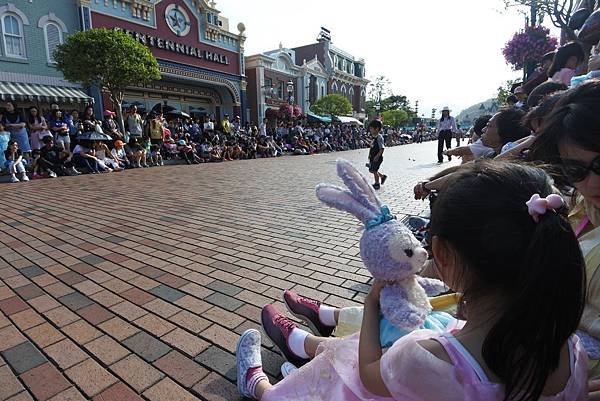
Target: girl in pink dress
x=499 y=236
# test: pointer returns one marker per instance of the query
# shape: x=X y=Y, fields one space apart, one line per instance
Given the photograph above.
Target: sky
x=442 y=53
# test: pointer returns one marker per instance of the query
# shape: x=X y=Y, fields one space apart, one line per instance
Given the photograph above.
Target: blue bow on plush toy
x=384 y=216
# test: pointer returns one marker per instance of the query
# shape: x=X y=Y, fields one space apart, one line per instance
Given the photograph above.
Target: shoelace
x=284 y=322
x=309 y=301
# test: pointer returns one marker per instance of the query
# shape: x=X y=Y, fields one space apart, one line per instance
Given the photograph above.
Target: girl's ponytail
x=530 y=268
x=523 y=347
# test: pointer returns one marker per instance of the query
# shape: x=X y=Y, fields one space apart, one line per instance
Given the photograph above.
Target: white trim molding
x=51 y=17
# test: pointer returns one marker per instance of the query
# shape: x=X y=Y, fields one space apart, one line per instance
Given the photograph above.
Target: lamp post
x=290 y=91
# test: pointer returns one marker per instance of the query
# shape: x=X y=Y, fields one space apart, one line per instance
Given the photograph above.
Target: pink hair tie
x=538 y=206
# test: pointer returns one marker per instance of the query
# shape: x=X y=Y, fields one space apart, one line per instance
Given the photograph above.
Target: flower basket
x=528 y=46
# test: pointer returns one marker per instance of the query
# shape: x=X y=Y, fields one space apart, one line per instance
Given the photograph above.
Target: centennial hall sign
x=160 y=43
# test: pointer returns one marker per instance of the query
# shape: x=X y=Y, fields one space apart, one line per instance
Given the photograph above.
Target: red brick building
x=201 y=62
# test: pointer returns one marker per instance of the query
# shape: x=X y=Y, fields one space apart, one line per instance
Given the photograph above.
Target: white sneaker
x=13 y=178
x=287 y=369
x=24 y=177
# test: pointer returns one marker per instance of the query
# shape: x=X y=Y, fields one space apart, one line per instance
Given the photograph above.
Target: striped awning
x=42 y=93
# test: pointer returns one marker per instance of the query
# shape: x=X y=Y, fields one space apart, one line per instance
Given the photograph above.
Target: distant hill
x=470 y=114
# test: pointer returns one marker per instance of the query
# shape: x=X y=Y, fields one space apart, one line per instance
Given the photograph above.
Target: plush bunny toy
x=388 y=249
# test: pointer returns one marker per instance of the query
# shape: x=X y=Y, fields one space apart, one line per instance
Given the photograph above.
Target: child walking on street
x=376 y=153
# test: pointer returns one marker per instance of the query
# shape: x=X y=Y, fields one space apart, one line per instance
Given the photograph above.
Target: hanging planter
x=528 y=46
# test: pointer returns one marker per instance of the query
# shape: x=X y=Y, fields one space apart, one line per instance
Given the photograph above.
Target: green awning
x=317 y=118
x=42 y=93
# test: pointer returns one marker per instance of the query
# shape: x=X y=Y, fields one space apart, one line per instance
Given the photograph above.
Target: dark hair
x=548 y=57
x=512 y=99
x=376 y=124
x=480 y=123
x=575 y=118
x=30 y=118
x=510 y=126
x=47 y=139
x=543 y=90
x=55 y=112
x=563 y=54
x=534 y=271
x=86 y=109
x=537 y=114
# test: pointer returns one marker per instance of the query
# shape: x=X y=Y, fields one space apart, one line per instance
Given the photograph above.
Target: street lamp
x=290 y=91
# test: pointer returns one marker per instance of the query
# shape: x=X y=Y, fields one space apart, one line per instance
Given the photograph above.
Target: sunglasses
x=577 y=171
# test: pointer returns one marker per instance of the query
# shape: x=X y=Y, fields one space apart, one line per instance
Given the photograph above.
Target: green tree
x=504 y=90
x=332 y=105
x=109 y=59
x=379 y=89
x=394 y=118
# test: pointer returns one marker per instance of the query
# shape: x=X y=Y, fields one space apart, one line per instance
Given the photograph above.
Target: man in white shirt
x=262 y=129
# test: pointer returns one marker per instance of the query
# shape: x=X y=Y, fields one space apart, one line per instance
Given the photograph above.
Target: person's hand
x=420 y=192
x=594 y=390
x=373 y=295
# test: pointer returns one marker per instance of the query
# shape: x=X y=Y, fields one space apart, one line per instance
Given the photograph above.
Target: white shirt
x=448 y=124
x=263 y=129
x=209 y=126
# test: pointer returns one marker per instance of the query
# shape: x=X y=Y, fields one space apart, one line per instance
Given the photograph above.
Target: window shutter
x=53 y=39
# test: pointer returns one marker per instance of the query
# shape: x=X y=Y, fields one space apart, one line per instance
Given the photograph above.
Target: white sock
x=327 y=315
x=296 y=342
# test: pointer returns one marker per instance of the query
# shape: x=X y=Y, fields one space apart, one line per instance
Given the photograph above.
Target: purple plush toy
x=388 y=249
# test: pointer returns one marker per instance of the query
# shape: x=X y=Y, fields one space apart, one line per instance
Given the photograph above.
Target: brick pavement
x=135 y=286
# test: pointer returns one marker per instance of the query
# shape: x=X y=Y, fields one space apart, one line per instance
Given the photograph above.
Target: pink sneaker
x=278 y=328
x=307 y=310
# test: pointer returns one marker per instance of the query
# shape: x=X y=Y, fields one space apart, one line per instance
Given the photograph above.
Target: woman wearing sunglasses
x=569 y=141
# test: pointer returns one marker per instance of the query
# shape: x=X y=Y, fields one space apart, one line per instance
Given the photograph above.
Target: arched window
x=53 y=35
x=12 y=32
x=351 y=96
x=343 y=90
x=334 y=87
x=322 y=90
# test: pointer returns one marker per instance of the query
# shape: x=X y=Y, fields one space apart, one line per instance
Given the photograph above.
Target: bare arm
x=460 y=151
x=523 y=143
x=369 y=348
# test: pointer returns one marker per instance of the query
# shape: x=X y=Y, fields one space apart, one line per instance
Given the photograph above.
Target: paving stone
x=70 y=394
x=29 y=291
x=225 y=288
x=146 y=346
x=167 y=293
x=181 y=368
x=190 y=321
x=107 y=350
x=224 y=301
x=136 y=372
x=12 y=305
x=23 y=357
x=10 y=385
x=162 y=308
x=118 y=328
x=168 y=390
x=32 y=271
x=42 y=335
x=23 y=396
x=217 y=360
x=137 y=296
x=117 y=392
x=81 y=331
x=90 y=377
x=66 y=353
x=93 y=259
x=43 y=303
x=215 y=388
x=155 y=325
x=128 y=310
x=151 y=272
x=10 y=337
x=26 y=319
x=186 y=342
x=75 y=301
x=61 y=316
x=71 y=278
x=221 y=336
x=44 y=381
x=95 y=314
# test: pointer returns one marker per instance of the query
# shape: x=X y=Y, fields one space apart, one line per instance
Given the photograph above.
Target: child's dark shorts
x=374 y=165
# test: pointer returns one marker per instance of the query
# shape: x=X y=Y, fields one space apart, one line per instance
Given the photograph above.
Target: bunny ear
x=342 y=199
x=358 y=185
